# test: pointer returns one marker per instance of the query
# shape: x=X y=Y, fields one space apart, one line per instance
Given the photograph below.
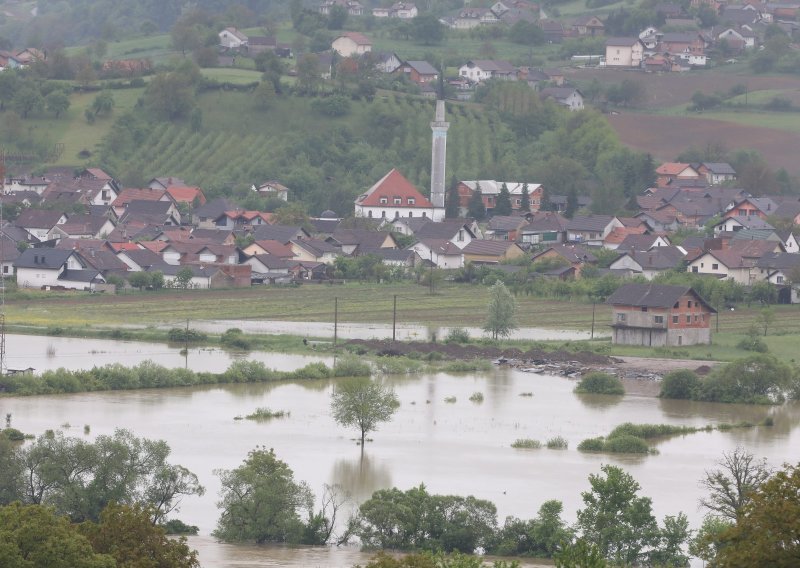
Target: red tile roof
x=671 y=168
x=132 y=194
x=186 y=194
x=276 y=248
x=125 y=246
x=390 y=186
x=358 y=38
x=155 y=246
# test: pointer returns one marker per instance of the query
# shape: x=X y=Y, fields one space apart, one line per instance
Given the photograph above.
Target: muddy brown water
x=459 y=447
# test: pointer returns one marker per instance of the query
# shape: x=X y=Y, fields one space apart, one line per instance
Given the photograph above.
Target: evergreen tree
x=544 y=200
x=572 y=204
x=476 y=209
x=452 y=205
x=503 y=204
x=526 y=199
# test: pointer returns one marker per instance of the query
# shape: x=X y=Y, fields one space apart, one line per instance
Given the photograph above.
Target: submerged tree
x=364 y=404
x=502 y=306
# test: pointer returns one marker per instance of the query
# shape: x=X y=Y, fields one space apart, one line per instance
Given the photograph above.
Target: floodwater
x=459 y=447
x=47 y=353
x=403 y=332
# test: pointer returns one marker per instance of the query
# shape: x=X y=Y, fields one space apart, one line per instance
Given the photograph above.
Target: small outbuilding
x=658 y=315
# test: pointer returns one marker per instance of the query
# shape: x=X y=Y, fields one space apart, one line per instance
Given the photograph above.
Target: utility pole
x=593 y=305
x=394 y=319
x=186 y=346
x=2 y=276
x=335 y=319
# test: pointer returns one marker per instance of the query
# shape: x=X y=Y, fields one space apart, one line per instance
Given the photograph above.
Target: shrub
x=234 y=338
x=180 y=334
x=592 y=445
x=176 y=526
x=313 y=371
x=626 y=444
x=450 y=400
x=757 y=379
x=526 y=394
x=434 y=356
x=600 y=383
x=13 y=434
x=648 y=431
x=680 y=384
x=557 y=443
x=352 y=367
x=457 y=335
x=526 y=444
x=398 y=365
x=476 y=397
x=467 y=366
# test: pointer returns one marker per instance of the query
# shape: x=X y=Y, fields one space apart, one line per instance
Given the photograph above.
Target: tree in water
x=261 y=501
x=501 y=309
x=503 y=204
x=476 y=209
x=363 y=403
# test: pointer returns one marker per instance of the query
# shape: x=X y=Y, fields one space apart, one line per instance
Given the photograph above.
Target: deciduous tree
x=363 y=403
x=261 y=502
x=731 y=486
x=57 y=102
x=500 y=311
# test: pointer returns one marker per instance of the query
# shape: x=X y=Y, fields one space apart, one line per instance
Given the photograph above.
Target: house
x=566 y=96
x=469 y=18
x=401 y=10
x=418 y=72
x=480 y=70
x=259 y=44
x=152 y=212
x=505 y=227
x=39 y=222
x=574 y=256
x=643 y=242
x=553 y=30
x=783 y=270
x=736 y=263
x=591 y=229
x=207 y=277
x=735 y=224
x=402 y=258
x=352 y=43
x=739 y=39
x=82 y=227
x=231 y=38
x=491 y=252
x=82 y=190
x=164 y=182
x=392 y=197
x=386 y=62
x=624 y=52
x=55 y=268
x=120 y=204
x=315 y=250
x=141 y=260
x=717 y=172
x=186 y=194
x=649 y=263
x=272 y=248
x=670 y=171
x=559 y=202
x=761 y=207
x=281 y=233
x=9 y=253
x=359 y=242
x=490 y=190
x=269 y=269
x=658 y=315
x=439 y=252
x=588 y=26
x=546 y=227
x=460 y=232
x=205 y=216
x=353 y=7
x=239 y=219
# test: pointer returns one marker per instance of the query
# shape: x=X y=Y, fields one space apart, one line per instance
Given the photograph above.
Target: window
x=424 y=215
x=621 y=318
x=519 y=202
x=689 y=304
x=779 y=279
x=694 y=269
x=674 y=319
x=384 y=200
x=411 y=201
x=715 y=266
x=397 y=214
x=383 y=214
x=410 y=213
x=676 y=305
x=644 y=308
x=370 y=215
x=658 y=319
x=398 y=200
x=688 y=319
x=460 y=235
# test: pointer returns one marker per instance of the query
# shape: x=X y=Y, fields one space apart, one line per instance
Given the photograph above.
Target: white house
x=39 y=222
x=50 y=268
x=392 y=197
x=272 y=188
x=624 y=52
x=232 y=38
x=567 y=96
x=442 y=253
x=352 y=43
x=479 y=70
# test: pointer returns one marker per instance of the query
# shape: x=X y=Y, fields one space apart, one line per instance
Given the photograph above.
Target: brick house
x=658 y=315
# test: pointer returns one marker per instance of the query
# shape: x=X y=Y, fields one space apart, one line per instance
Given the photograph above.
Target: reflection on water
x=361 y=475
x=599 y=401
x=460 y=448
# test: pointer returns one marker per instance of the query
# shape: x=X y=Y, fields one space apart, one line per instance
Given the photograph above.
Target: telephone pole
x=335 y=319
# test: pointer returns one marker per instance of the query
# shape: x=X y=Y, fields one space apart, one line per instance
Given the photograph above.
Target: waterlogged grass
x=450 y=400
x=600 y=383
x=264 y=414
x=526 y=444
x=476 y=397
x=557 y=443
x=151 y=375
x=632 y=438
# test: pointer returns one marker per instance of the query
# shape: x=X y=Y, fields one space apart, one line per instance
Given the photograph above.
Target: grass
x=526 y=444
x=263 y=414
x=155 y=47
x=233 y=75
x=557 y=443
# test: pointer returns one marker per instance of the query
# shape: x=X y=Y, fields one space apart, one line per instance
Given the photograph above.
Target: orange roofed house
x=658 y=315
x=393 y=197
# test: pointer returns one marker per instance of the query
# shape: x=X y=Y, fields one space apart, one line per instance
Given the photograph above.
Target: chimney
x=439 y=128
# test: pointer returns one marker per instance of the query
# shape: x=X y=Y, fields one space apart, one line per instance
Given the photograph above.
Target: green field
x=451 y=306
x=233 y=75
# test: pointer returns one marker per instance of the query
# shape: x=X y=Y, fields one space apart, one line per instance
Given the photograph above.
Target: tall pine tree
x=525 y=205
x=503 y=204
x=452 y=208
x=476 y=208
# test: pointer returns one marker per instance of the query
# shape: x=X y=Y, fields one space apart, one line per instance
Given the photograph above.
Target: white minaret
x=438 y=159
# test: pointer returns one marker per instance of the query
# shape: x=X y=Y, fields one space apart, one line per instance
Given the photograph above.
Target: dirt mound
x=457 y=351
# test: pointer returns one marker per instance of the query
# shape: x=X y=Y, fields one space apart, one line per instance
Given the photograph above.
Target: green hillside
x=325 y=160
